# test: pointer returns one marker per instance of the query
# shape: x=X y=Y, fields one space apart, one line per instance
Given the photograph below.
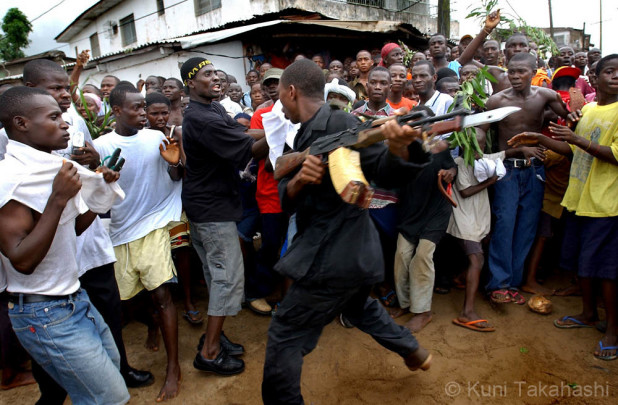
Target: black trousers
x=297 y=325
x=100 y=284
x=12 y=354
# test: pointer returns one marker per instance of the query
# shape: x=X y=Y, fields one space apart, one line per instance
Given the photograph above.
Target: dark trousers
x=297 y=325
x=263 y=280
x=12 y=353
x=100 y=284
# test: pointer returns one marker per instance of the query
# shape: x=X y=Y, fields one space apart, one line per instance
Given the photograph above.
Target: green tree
x=16 y=28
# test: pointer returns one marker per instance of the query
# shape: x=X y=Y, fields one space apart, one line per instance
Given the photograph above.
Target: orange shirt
x=405 y=102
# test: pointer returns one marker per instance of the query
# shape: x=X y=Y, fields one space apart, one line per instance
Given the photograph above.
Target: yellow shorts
x=144 y=263
x=180 y=235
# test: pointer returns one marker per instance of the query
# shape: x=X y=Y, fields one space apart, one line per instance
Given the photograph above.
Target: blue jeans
x=517 y=205
x=71 y=342
x=218 y=247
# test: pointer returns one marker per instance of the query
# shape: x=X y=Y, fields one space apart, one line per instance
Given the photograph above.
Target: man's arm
x=25 y=241
x=533 y=138
x=491 y=22
x=83 y=221
x=81 y=61
x=472 y=190
x=554 y=101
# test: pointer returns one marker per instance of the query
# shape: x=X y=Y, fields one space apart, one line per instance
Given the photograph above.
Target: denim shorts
x=218 y=247
x=73 y=344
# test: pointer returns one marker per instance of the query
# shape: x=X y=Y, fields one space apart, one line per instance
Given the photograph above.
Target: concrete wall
x=134 y=67
x=180 y=19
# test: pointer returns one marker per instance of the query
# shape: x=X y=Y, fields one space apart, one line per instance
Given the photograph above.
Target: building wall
x=135 y=67
x=179 y=19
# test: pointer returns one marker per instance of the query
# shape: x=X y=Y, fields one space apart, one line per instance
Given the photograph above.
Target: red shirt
x=267 y=194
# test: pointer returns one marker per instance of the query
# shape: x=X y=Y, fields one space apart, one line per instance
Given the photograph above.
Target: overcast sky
x=566 y=13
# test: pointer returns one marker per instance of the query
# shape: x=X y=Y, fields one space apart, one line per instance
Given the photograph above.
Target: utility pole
x=601 y=26
x=551 y=21
x=444 y=18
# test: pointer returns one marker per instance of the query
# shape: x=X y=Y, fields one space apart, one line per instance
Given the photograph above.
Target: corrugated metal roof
x=85 y=18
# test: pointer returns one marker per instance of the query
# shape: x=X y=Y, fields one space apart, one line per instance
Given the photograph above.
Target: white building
x=136 y=38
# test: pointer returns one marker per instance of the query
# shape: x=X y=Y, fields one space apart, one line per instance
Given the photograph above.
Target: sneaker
x=344 y=322
x=223 y=364
x=260 y=306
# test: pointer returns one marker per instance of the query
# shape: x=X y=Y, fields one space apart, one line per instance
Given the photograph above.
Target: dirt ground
x=526 y=361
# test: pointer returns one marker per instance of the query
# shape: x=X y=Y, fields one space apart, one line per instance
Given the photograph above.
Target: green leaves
x=95 y=126
x=16 y=28
x=472 y=94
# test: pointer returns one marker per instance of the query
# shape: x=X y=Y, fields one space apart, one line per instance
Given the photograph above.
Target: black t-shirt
x=423 y=210
x=216 y=147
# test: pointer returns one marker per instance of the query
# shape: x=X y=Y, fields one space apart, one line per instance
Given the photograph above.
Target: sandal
x=517 y=298
x=603 y=348
x=500 y=297
x=193 y=317
x=390 y=300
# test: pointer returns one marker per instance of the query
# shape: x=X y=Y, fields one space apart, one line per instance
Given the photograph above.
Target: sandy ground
x=526 y=361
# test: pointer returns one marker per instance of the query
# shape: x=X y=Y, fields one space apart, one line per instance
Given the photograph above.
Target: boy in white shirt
x=151 y=180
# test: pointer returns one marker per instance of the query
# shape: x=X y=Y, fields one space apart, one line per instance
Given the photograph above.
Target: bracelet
x=588 y=147
x=486 y=32
x=177 y=164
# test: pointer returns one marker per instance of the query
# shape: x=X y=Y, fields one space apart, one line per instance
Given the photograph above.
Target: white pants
x=414 y=274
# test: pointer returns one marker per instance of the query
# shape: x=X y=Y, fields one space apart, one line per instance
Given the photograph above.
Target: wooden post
x=444 y=18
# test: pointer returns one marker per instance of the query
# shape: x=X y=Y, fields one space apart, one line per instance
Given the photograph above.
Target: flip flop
x=389 y=302
x=607 y=358
x=472 y=325
x=193 y=317
x=517 y=298
x=576 y=323
x=500 y=297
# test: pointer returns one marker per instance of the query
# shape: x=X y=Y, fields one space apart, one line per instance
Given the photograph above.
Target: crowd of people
x=111 y=192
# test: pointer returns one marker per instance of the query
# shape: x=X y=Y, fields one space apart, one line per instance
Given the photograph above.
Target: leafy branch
x=515 y=24
x=95 y=126
x=472 y=95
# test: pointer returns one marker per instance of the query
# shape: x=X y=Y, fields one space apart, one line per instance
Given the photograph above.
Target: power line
x=36 y=18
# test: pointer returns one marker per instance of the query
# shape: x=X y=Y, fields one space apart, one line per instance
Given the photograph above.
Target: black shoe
x=137 y=378
x=233 y=349
x=223 y=364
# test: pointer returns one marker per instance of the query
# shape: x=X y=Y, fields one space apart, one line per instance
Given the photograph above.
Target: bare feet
x=418 y=321
x=397 y=312
x=569 y=291
x=607 y=348
x=421 y=358
x=171 y=387
x=18 y=379
x=536 y=288
x=152 y=341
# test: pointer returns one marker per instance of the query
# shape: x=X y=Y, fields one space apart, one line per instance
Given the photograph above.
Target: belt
x=34 y=298
x=520 y=163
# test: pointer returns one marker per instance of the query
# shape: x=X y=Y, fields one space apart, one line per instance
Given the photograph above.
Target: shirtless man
x=519 y=195
x=172 y=89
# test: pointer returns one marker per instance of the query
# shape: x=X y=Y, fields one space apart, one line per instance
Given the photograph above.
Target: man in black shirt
x=216 y=147
x=335 y=257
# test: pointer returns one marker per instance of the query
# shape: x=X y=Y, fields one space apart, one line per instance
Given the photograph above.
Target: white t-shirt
x=2 y=278
x=4 y=140
x=152 y=197
x=471 y=219
x=56 y=274
x=231 y=107
x=94 y=246
x=439 y=103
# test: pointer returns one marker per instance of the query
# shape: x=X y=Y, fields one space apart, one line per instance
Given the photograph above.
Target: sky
x=48 y=23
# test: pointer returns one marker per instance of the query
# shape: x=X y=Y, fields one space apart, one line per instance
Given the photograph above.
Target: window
x=127 y=30
x=95 y=49
x=160 y=7
x=370 y=3
x=205 y=6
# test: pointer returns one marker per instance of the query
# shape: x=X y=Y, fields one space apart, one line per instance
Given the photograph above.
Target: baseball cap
x=272 y=73
x=566 y=71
